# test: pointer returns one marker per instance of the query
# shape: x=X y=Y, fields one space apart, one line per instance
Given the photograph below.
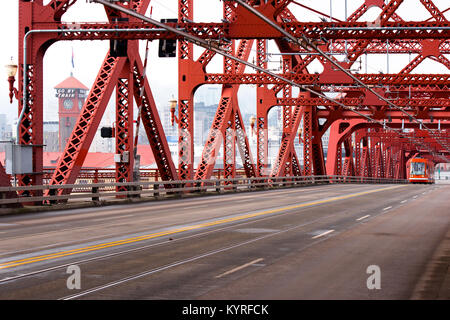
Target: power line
x=212 y=47
x=306 y=44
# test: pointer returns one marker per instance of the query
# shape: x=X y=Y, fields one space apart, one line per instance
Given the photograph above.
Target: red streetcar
x=421 y=171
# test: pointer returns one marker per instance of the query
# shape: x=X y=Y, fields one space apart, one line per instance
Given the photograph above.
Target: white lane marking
x=387 y=208
x=362 y=218
x=159 y=269
x=239 y=268
x=322 y=234
x=111 y=218
x=167 y=241
x=169 y=205
x=403 y=201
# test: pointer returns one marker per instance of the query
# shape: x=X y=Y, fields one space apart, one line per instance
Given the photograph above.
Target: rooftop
x=71 y=83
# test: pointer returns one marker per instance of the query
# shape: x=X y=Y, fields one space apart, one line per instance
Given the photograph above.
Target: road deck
x=306 y=243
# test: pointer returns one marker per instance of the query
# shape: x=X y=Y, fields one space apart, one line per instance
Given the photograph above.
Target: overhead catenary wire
x=57 y=31
x=212 y=47
x=207 y=45
x=306 y=44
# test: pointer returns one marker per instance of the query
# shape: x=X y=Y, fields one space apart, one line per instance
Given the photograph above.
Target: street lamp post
x=173 y=107
x=11 y=70
x=252 y=124
x=18 y=158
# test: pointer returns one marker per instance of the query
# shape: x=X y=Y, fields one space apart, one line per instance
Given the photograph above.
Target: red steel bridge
x=377 y=121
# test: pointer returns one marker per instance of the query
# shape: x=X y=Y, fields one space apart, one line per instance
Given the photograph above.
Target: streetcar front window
x=417 y=168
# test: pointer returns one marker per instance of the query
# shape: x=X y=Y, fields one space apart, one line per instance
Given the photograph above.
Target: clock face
x=68 y=104
x=80 y=104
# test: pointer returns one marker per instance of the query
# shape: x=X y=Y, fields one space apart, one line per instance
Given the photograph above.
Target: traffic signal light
x=167 y=48
x=107 y=132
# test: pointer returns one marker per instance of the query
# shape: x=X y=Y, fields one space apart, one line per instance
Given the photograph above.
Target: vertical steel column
x=389 y=163
x=124 y=127
x=229 y=141
x=287 y=93
x=185 y=97
x=400 y=172
x=358 y=171
x=31 y=126
x=229 y=149
x=366 y=166
x=307 y=140
x=261 y=114
x=287 y=114
x=338 y=169
x=348 y=168
x=314 y=162
x=371 y=152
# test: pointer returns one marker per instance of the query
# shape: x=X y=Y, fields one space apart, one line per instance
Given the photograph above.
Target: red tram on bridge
x=421 y=171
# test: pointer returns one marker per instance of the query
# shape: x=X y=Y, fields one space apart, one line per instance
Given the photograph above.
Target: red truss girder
x=76 y=149
x=124 y=127
x=425 y=96
x=381 y=47
x=185 y=97
x=217 y=31
x=380 y=148
x=126 y=73
x=152 y=125
x=226 y=121
x=375 y=46
x=434 y=11
x=402 y=102
x=282 y=165
x=314 y=79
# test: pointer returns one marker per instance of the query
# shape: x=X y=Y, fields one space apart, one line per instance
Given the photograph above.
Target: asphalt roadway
x=320 y=242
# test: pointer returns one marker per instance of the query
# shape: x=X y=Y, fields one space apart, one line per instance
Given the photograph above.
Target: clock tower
x=71 y=94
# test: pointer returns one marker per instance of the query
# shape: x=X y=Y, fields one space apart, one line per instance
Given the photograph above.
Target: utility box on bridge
x=19 y=159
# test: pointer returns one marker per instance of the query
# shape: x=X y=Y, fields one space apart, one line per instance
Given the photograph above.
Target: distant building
x=51 y=136
x=99 y=144
x=203 y=118
x=71 y=94
x=5 y=131
x=211 y=95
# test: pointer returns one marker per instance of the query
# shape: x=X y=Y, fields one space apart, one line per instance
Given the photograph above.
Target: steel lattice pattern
x=364 y=129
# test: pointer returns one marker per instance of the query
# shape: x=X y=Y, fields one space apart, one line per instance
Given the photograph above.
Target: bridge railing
x=101 y=191
x=88 y=176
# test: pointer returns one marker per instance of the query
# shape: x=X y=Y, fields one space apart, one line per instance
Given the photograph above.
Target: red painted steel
x=356 y=146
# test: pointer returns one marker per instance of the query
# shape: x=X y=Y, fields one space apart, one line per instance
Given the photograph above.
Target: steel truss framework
x=356 y=146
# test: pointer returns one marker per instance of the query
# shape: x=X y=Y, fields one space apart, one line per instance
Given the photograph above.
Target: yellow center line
x=55 y=255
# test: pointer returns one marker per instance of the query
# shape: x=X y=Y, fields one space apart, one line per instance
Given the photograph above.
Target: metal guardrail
x=108 y=175
x=96 y=191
